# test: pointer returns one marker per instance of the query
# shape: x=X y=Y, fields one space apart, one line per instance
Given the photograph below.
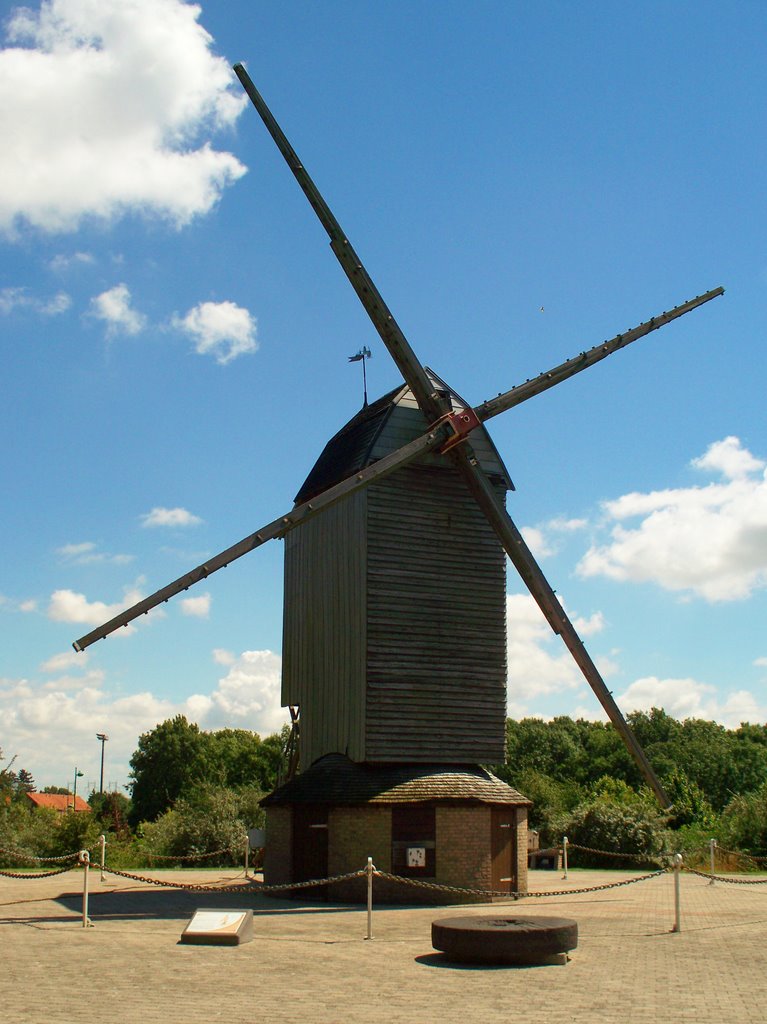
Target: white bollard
x=677 y=906
x=103 y=845
x=712 y=858
x=370 y=869
x=85 y=859
x=564 y=855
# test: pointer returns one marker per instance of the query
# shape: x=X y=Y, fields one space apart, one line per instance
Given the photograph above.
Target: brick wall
x=522 y=849
x=354 y=834
x=463 y=852
x=463 y=848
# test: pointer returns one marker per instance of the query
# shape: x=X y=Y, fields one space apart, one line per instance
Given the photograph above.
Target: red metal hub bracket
x=461 y=423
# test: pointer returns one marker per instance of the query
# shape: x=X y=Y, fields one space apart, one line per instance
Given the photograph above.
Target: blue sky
x=522 y=182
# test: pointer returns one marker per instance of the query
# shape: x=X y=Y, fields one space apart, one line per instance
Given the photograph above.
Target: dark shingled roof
x=334 y=779
x=349 y=450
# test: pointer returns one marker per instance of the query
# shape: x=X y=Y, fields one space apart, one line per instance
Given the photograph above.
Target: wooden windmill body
x=394 y=643
x=394 y=628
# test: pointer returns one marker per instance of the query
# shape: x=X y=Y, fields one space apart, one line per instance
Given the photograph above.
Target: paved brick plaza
x=310 y=962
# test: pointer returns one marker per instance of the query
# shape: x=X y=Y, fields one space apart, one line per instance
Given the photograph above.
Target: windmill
x=425 y=452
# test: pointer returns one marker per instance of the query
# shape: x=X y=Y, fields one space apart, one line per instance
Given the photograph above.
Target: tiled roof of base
x=336 y=780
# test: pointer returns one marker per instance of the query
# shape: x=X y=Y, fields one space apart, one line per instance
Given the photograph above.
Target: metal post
x=564 y=855
x=247 y=852
x=712 y=858
x=677 y=907
x=102 y=738
x=370 y=869
x=85 y=859
x=103 y=845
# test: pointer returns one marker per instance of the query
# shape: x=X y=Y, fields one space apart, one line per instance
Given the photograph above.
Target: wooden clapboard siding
x=407 y=422
x=394 y=643
x=324 y=630
x=436 y=636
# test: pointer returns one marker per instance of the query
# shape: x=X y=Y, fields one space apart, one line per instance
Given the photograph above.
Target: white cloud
x=64 y=660
x=536 y=541
x=761 y=662
x=52 y=725
x=69 y=606
x=223 y=657
x=197 y=607
x=248 y=696
x=114 y=307
x=538 y=537
x=61 y=263
x=19 y=298
x=710 y=541
x=105 y=108
x=730 y=459
x=688 y=698
x=221 y=329
x=538 y=662
x=87 y=553
x=170 y=517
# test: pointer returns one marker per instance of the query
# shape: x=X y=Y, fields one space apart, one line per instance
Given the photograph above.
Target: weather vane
x=363 y=354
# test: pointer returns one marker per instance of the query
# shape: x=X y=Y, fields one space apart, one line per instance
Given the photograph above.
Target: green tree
x=744 y=822
x=204 y=822
x=630 y=826
x=24 y=782
x=241 y=758
x=112 y=811
x=170 y=759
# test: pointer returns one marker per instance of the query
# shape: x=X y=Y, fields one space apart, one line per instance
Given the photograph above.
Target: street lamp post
x=78 y=775
x=102 y=736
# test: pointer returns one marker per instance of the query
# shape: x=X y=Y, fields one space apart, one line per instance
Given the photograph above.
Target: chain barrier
x=252 y=886
x=515 y=894
x=38 y=860
x=726 y=878
x=615 y=853
x=189 y=856
x=42 y=874
x=741 y=853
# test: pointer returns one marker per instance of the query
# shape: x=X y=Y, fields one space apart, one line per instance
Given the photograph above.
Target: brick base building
x=453 y=825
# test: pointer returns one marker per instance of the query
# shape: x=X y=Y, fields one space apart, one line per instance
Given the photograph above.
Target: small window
x=413 y=847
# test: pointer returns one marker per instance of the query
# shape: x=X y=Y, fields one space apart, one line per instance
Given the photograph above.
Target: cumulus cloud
x=87 y=553
x=64 y=660
x=69 y=606
x=170 y=517
x=63 y=262
x=544 y=539
x=115 y=309
x=106 y=107
x=197 y=607
x=19 y=298
x=689 y=698
x=710 y=541
x=248 y=696
x=221 y=329
x=538 y=662
x=52 y=723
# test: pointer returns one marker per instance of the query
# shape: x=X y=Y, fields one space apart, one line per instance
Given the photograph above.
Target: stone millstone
x=504 y=940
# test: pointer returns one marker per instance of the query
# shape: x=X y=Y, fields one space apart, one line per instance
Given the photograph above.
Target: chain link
x=725 y=878
x=43 y=874
x=739 y=853
x=189 y=856
x=38 y=860
x=514 y=894
x=615 y=853
x=252 y=887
